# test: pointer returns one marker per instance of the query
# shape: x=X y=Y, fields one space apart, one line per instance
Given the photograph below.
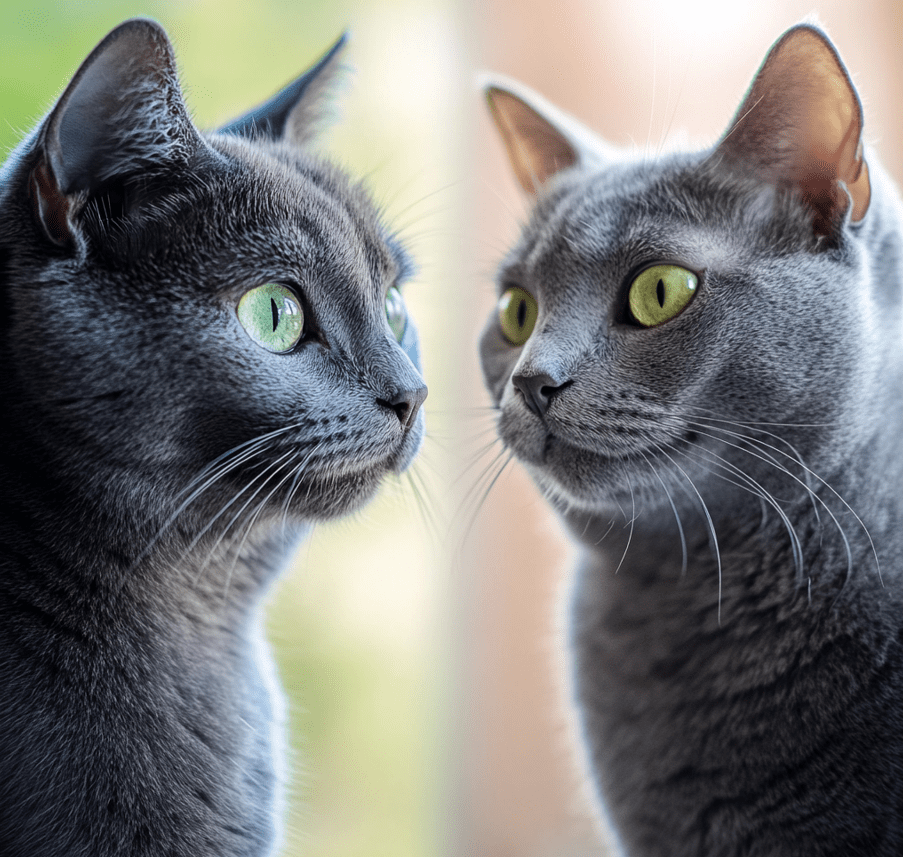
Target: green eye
x=272 y=317
x=517 y=315
x=396 y=314
x=660 y=293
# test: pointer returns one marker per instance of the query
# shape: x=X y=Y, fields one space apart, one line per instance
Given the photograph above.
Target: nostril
x=406 y=405
x=548 y=391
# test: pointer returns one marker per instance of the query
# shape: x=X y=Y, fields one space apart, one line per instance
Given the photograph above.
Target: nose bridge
x=396 y=381
x=549 y=353
x=549 y=360
x=391 y=370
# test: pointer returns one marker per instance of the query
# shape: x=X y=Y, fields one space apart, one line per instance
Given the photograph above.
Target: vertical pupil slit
x=660 y=293
x=275 y=310
x=521 y=312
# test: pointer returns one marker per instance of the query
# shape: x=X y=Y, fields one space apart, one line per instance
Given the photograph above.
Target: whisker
x=298 y=473
x=476 y=459
x=250 y=526
x=508 y=456
x=418 y=488
x=475 y=487
x=796 y=454
x=632 y=522
x=680 y=529
x=711 y=526
x=229 y=466
x=209 y=525
x=824 y=504
x=755 y=488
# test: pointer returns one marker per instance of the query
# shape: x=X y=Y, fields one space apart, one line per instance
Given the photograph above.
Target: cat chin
x=584 y=497
x=345 y=489
x=335 y=496
x=572 y=478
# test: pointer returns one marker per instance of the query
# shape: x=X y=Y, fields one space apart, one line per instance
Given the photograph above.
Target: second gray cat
x=699 y=360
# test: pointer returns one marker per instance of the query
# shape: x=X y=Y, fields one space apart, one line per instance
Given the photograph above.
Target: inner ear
x=297 y=111
x=121 y=116
x=801 y=125
x=536 y=148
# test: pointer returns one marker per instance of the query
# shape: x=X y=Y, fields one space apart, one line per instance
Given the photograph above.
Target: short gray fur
x=732 y=476
x=157 y=464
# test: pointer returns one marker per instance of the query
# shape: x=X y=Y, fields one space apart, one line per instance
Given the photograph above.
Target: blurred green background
x=359 y=624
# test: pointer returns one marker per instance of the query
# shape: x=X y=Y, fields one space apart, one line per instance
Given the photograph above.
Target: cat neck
x=73 y=550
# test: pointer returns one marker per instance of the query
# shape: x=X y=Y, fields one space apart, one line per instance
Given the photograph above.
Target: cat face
x=181 y=301
x=649 y=304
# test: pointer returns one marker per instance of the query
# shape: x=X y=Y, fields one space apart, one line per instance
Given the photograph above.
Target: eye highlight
x=396 y=313
x=517 y=314
x=272 y=316
x=661 y=293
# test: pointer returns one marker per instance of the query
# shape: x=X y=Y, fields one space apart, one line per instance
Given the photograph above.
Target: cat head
x=177 y=301
x=652 y=304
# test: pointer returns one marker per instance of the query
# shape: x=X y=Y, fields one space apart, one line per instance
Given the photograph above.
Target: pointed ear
x=295 y=113
x=541 y=139
x=122 y=114
x=801 y=126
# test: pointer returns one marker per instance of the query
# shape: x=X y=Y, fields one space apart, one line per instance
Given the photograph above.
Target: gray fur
x=157 y=463
x=732 y=477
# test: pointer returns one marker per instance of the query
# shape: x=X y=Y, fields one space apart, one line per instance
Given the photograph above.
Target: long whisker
x=475 y=488
x=803 y=484
x=680 y=529
x=756 y=428
x=476 y=459
x=250 y=525
x=419 y=490
x=225 y=463
x=632 y=523
x=298 y=473
x=711 y=526
x=215 y=518
x=484 y=493
x=755 y=488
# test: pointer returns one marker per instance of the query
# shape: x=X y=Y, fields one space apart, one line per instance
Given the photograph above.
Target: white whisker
x=711 y=525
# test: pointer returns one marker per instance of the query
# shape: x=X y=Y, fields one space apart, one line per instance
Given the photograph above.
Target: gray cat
x=204 y=350
x=699 y=360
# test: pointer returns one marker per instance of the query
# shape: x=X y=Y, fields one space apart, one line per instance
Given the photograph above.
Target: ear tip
x=337 y=49
x=811 y=31
x=485 y=81
x=132 y=37
x=492 y=84
x=139 y=29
